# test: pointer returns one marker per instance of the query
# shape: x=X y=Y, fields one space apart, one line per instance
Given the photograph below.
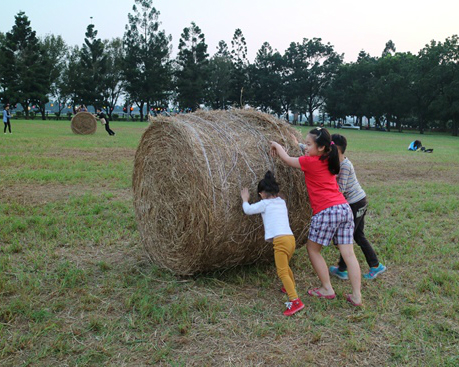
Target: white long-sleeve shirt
x=274 y=214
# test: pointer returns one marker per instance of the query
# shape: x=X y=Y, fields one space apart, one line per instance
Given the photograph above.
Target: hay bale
x=188 y=173
x=83 y=123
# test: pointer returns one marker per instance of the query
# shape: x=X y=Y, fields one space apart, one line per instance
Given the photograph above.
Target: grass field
x=76 y=288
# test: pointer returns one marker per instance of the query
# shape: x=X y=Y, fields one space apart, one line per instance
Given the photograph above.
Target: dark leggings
x=107 y=128
x=359 y=209
x=7 y=124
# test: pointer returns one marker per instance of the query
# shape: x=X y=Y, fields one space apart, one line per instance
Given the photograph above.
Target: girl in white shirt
x=274 y=213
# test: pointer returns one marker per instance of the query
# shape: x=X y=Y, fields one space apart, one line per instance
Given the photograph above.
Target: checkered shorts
x=336 y=222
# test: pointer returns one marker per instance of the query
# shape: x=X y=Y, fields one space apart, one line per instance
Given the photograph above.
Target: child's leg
x=290 y=274
x=341 y=264
x=283 y=250
x=320 y=267
x=364 y=244
x=353 y=268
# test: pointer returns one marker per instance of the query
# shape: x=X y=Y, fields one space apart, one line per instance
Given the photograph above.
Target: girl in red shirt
x=332 y=216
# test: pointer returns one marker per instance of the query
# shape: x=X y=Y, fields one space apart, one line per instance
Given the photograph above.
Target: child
x=332 y=215
x=356 y=198
x=277 y=230
x=415 y=145
x=6 y=119
x=104 y=120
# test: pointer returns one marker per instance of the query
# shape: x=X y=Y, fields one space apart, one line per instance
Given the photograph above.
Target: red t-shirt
x=323 y=189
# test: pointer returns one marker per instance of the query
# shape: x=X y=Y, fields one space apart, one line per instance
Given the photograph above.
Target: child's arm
x=277 y=149
x=250 y=209
x=245 y=195
x=300 y=145
x=343 y=178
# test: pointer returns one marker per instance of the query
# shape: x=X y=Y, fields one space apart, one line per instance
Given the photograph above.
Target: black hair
x=323 y=139
x=268 y=184
x=340 y=141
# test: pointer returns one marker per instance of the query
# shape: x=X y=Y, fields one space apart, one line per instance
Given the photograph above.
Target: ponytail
x=268 y=184
x=323 y=139
x=333 y=159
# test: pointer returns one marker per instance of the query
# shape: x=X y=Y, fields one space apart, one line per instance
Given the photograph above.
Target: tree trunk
x=421 y=125
x=141 y=109
x=399 y=124
x=455 y=127
x=42 y=108
x=311 y=117
x=25 y=106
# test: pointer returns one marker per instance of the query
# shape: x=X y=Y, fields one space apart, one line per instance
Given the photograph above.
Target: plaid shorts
x=336 y=222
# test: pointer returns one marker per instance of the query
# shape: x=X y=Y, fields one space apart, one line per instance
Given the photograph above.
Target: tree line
x=395 y=90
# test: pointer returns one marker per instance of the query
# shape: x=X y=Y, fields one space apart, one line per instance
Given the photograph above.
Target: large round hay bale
x=83 y=123
x=188 y=173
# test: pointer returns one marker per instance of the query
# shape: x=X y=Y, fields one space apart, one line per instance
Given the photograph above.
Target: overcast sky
x=350 y=26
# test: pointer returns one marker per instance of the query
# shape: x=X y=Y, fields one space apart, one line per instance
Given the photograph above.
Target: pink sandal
x=315 y=293
x=349 y=299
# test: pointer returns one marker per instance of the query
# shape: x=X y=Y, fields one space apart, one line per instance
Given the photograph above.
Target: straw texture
x=83 y=123
x=188 y=173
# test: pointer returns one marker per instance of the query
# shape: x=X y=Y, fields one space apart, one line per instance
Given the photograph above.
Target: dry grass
x=76 y=288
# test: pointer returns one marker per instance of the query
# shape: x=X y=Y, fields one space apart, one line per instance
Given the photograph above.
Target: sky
x=349 y=26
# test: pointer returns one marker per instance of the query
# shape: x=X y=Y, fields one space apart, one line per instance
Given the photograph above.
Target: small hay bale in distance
x=188 y=173
x=83 y=123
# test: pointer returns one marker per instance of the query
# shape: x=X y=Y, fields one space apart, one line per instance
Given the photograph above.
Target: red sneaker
x=293 y=307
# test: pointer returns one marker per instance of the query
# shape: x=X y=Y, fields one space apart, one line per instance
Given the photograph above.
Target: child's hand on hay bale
x=295 y=140
x=245 y=195
x=274 y=147
x=278 y=150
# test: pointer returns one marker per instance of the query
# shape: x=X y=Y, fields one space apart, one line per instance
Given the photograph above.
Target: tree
x=71 y=87
x=192 y=68
x=55 y=51
x=425 y=82
x=239 y=76
x=2 y=64
x=23 y=65
x=93 y=68
x=391 y=87
x=312 y=65
x=446 y=105
x=147 y=66
x=266 y=80
x=389 y=49
x=113 y=78
x=222 y=50
x=218 y=88
x=341 y=94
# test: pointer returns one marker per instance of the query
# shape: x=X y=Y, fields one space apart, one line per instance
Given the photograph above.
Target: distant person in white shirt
x=274 y=213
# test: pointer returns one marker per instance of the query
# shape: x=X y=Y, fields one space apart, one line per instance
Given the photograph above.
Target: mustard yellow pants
x=284 y=247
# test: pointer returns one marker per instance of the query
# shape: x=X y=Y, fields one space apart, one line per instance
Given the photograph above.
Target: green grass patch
x=76 y=287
